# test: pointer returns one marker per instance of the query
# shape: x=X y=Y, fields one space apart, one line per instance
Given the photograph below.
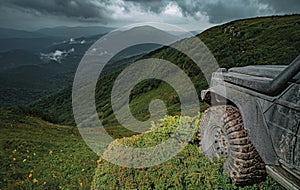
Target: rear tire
x=222 y=134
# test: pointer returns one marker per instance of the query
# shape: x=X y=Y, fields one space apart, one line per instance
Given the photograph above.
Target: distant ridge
x=74 y=32
x=13 y=33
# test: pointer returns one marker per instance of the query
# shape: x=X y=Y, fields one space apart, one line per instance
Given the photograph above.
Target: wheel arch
x=252 y=117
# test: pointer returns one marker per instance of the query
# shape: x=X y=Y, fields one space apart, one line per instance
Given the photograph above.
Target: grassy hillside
x=264 y=41
x=188 y=170
x=269 y=40
x=35 y=154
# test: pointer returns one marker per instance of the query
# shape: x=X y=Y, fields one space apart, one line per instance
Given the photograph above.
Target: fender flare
x=252 y=119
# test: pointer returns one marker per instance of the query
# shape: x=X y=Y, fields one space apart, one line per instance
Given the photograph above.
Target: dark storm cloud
x=82 y=10
x=155 y=6
x=285 y=6
x=217 y=10
x=234 y=9
x=223 y=10
x=40 y=13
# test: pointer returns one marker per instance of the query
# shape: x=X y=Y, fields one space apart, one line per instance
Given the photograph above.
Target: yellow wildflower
x=30 y=175
x=14 y=151
x=24 y=160
x=83 y=170
x=80 y=184
x=14 y=159
x=53 y=175
x=45 y=183
x=50 y=152
x=35 y=180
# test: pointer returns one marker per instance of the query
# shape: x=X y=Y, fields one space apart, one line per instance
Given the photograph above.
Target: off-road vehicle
x=254 y=122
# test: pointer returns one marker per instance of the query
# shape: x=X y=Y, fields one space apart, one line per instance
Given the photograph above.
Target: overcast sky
x=189 y=14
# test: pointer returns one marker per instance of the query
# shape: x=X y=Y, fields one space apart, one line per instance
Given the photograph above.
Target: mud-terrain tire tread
x=243 y=165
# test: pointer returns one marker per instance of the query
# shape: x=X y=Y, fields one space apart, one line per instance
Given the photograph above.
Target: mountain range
x=258 y=41
x=11 y=39
x=28 y=74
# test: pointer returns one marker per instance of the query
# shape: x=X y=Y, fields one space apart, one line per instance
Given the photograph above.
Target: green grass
x=264 y=41
x=40 y=155
x=190 y=169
